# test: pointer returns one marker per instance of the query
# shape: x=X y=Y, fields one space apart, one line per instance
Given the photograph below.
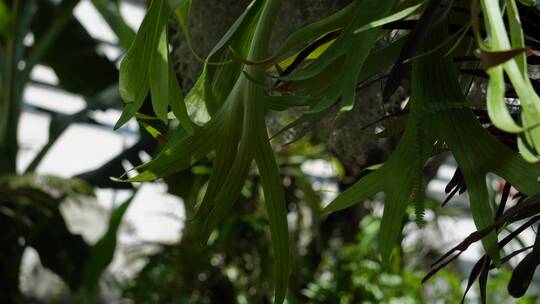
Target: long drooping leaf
x=353 y=49
x=145 y=66
x=312 y=31
x=159 y=77
x=438 y=104
x=178 y=106
x=236 y=132
x=377 y=60
x=516 y=69
x=333 y=75
x=411 y=47
x=216 y=82
x=406 y=12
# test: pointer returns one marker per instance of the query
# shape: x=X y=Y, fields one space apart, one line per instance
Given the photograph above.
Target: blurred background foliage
x=335 y=259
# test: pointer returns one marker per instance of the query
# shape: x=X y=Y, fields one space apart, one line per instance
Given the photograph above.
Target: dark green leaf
x=102 y=253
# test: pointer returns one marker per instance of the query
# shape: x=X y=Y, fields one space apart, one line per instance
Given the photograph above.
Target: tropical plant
x=442 y=42
x=465 y=73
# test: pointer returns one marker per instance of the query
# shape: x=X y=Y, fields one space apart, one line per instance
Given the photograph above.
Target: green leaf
x=396 y=178
x=102 y=253
x=139 y=63
x=496 y=105
x=156 y=134
x=438 y=105
x=5 y=20
x=284 y=102
x=178 y=156
x=380 y=59
x=353 y=49
x=229 y=193
x=159 y=78
x=517 y=39
x=214 y=85
x=178 y=105
x=218 y=83
x=312 y=31
x=377 y=60
x=198 y=98
x=188 y=150
x=111 y=13
x=231 y=132
x=406 y=12
x=516 y=69
x=181 y=9
x=226 y=155
x=274 y=199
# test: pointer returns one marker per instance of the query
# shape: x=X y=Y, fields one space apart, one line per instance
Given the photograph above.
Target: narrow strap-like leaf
x=274 y=200
x=404 y=13
x=159 y=78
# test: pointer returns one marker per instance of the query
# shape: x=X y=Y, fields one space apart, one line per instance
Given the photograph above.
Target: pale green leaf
x=159 y=78
x=497 y=109
x=406 y=12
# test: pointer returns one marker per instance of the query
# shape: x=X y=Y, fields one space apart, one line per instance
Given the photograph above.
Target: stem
x=8 y=101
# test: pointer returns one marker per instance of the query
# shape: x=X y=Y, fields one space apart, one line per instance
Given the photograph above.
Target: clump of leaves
x=146 y=68
x=342 y=52
x=352 y=273
x=439 y=112
x=236 y=133
x=504 y=54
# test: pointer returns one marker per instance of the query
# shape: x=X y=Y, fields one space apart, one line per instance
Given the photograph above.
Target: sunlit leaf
x=135 y=69
x=404 y=13
x=159 y=78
